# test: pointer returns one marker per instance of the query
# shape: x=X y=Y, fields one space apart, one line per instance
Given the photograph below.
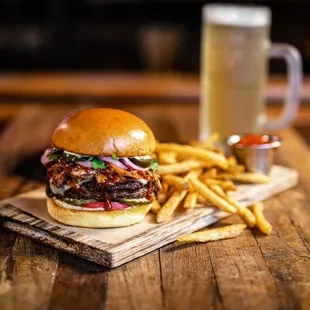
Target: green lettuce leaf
x=154 y=165
x=97 y=164
x=54 y=156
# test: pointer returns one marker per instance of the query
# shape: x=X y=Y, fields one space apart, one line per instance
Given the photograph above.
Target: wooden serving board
x=26 y=214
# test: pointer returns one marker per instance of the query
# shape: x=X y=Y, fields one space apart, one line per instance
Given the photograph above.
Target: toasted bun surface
x=96 y=219
x=103 y=132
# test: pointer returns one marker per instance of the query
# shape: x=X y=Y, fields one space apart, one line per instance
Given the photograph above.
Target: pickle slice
x=138 y=201
x=77 y=202
x=142 y=161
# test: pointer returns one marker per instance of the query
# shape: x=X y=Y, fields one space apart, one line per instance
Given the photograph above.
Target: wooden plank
x=295 y=153
x=294 y=227
x=188 y=278
x=80 y=249
x=112 y=248
x=79 y=284
x=116 y=85
x=243 y=279
x=136 y=285
x=121 y=85
x=29 y=276
x=26 y=269
x=287 y=257
x=7 y=239
x=296 y=203
x=15 y=216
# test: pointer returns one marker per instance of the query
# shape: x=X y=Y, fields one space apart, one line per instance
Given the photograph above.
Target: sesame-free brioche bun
x=103 y=132
x=95 y=219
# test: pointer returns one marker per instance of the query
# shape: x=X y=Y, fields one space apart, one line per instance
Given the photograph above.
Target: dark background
x=52 y=35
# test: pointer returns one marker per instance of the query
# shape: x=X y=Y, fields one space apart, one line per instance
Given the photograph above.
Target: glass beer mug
x=234 y=66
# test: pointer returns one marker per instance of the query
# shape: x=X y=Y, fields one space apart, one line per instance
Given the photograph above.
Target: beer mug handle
x=294 y=69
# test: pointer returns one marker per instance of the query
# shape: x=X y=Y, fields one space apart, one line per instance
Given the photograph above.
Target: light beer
x=233 y=70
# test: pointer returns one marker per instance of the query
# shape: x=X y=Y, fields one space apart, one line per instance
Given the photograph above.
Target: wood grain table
x=250 y=272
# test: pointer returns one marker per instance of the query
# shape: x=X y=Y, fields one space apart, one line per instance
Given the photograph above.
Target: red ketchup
x=253 y=139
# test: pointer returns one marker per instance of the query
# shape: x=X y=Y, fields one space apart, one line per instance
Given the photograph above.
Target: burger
x=100 y=169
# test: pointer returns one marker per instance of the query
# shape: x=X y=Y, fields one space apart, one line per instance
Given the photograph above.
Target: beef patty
x=93 y=190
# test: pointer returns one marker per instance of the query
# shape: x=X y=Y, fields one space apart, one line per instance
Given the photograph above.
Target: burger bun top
x=103 y=132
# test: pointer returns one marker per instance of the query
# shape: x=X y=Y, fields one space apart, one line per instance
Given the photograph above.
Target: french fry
x=226 y=185
x=209 y=174
x=212 y=197
x=175 y=181
x=245 y=177
x=201 y=199
x=191 y=200
x=226 y=232
x=158 y=183
x=217 y=150
x=180 y=167
x=213 y=138
x=232 y=161
x=167 y=158
x=209 y=157
x=196 y=143
x=244 y=212
x=169 y=207
x=261 y=222
x=210 y=147
x=207 y=143
x=165 y=186
x=229 y=186
x=162 y=197
x=155 y=206
x=218 y=190
x=236 y=169
x=170 y=191
x=193 y=174
x=202 y=145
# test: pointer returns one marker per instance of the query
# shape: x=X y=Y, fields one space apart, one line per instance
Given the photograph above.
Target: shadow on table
x=79 y=265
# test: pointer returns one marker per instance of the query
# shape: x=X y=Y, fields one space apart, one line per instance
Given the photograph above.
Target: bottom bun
x=96 y=219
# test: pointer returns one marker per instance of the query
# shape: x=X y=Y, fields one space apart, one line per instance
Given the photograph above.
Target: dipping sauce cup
x=254 y=151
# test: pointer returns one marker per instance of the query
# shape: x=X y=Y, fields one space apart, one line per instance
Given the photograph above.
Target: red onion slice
x=44 y=157
x=130 y=164
x=114 y=162
x=118 y=206
x=86 y=164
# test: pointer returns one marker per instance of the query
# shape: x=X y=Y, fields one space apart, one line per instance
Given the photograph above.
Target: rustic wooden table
x=249 y=272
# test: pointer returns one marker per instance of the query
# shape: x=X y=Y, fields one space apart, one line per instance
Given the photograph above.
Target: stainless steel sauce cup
x=255 y=158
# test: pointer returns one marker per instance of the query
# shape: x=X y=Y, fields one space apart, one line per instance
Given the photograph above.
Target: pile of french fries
x=199 y=173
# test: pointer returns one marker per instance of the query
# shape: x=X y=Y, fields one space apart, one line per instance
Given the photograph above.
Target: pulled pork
x=67 y=179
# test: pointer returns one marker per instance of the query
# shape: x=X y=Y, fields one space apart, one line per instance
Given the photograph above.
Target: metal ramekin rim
x=275 y=142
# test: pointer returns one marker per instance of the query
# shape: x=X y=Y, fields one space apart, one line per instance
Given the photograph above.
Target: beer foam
x=234 y=15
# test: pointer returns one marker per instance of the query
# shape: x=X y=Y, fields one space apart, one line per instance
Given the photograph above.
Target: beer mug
x=234 y=63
